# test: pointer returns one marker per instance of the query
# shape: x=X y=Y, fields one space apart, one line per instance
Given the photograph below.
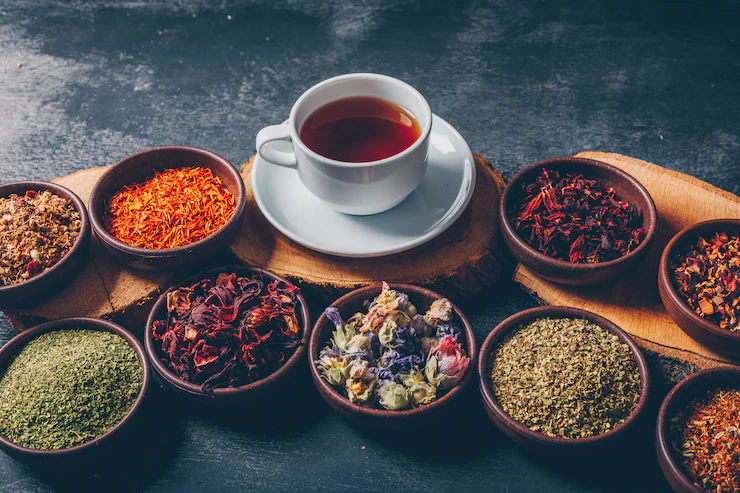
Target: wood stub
x=633 y=302
x=463 y=260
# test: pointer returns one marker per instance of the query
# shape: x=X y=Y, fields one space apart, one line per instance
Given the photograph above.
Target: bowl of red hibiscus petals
x=577 y=221
x=698 y=433
x=45 y=235
x=228 y=335
x=392 y=355
x=699 y=283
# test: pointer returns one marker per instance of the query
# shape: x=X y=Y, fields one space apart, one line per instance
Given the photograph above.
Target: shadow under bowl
x=86 y=452
x=352 y=303
x=690 y=388
x=59 y=275
x=138 y=167
x=534 y=440
x=577 y=274
x=222 y=397
x=703 y=331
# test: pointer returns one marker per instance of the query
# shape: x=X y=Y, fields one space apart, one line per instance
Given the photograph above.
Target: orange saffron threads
x=170 y=209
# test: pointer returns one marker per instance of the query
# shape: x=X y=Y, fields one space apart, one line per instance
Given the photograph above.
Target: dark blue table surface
x=84 y=84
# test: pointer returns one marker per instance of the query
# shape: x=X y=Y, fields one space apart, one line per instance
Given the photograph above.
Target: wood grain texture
x=465 y=259
x=633 y=303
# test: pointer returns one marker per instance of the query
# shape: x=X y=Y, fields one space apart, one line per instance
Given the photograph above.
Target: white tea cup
x=352 y=188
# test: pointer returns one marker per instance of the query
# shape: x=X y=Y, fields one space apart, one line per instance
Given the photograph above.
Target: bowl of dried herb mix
x=392 y=355
x=45 y=234
x=168 y=207
x=577 y=221
x=229 y=335
x=560 y=377
x=68 y=388
x=699 y=283
x=697 y=435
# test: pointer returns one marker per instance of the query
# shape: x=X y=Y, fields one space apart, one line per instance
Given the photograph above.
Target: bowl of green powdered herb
x=67 y=387
x=559 y=377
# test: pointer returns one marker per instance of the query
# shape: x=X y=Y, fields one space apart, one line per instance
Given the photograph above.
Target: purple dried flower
x=333 y=314
x=397 y=363
x=446 y=329
x=407 y=342
x=374 y=343
x=418 y=323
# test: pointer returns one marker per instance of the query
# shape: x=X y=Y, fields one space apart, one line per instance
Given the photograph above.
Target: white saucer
x=433 y=207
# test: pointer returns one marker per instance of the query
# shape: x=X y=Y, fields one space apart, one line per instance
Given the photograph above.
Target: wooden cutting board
x=633 y=302
x=463 y=260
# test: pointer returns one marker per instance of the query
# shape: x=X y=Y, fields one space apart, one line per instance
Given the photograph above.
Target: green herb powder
x=566 y=378
x=68 y=387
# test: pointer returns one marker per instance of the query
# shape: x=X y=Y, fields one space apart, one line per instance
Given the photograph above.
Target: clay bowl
x=137 y=167
x=677 y=400
x=59 y=275
x=86 y=452
x=222 y=397
x=537 y=441
x=352 y=303
x=559 y=271
x=701 y=330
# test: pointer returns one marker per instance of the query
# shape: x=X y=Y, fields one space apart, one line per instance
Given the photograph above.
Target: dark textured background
x=521 y=80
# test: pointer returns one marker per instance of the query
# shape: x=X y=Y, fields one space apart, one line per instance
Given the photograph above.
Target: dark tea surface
x=360 y=130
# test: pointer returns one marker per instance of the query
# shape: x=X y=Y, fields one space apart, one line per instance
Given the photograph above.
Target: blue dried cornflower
x=332 y=313
x=397 y=363
x=446 y=329
x=407 y=341
x=384 y=374
x=362 y=354
x=374 y=343
x=330 y=352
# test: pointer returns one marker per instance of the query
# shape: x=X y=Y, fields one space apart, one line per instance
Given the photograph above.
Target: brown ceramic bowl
x=703 y=331
x=535 y=440
x=219 y=397
x=87 y=450
x=137 y=167
x=60 y=274
x=559 y=271
x=677 y=400
x=352 y=303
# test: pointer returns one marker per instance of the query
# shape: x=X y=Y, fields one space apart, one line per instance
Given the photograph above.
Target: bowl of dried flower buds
x=228 y=335
x=577 y=221
x=45 y=236
x=699 y=283
x=392 y=355
x=561 y=378
x=697 y=436
x=168 y=207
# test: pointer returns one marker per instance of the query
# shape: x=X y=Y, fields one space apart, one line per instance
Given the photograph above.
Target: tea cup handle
x=270 y=134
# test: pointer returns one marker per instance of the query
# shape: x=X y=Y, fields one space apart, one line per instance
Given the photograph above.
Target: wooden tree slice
x=463 y=260
x=633 y=302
